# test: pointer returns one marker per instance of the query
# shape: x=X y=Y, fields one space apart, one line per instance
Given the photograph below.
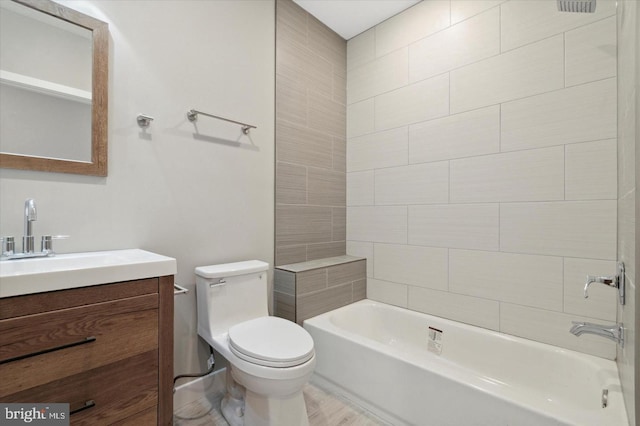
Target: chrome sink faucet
x=612 y=332
x=30 y=216
x=28 y=239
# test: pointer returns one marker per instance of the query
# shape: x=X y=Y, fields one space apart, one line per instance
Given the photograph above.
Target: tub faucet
x=612 y=332
x=30 y=215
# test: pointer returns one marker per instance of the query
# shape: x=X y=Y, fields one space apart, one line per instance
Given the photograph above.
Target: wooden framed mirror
x=75 y=140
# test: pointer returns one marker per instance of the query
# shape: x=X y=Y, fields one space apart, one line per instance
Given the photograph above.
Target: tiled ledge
x=319 y=263
x=306 y=289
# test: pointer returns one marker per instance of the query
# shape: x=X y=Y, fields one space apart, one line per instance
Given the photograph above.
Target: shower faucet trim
x=615 y=281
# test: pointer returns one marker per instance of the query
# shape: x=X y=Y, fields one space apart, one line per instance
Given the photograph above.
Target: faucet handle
x=47 y=242
x=8 y=245
x=615 y=281
x=610 y=281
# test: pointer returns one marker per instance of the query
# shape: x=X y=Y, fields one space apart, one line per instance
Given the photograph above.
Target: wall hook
x=144 y=120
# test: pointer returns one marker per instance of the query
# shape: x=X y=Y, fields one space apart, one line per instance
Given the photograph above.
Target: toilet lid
x=271 y=341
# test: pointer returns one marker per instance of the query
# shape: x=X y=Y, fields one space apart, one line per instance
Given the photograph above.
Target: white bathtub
x=377 y=355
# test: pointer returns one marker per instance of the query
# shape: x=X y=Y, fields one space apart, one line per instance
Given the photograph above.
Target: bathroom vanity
x=94 y=339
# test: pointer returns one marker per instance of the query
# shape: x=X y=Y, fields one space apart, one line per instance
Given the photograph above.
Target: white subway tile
x=360 y=188
x=552 y=328
x=419 y=21
x=471 y=310
x=471 y=133
x=533 y=69
x=360 y=118
x=577 y=114
x=627 y=222
x=362 y=249
x=526 y=21
x=591 y=52
x=467 y=42
x=381 y=75
x=387 y=292
x=472 y=226
x=464 y=9
x=602 y=301
x=627 y=83
x=415 y=265
x=516 y=278
x=386 y=224
x=627 y=137
x=382 y=149
x=416 y=184
x=532 y=175
x=420 y=101
x=591 y=171
x=361 y=49
x=567 y=228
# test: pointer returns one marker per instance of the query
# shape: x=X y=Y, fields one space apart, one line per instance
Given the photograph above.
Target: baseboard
x=210 y=386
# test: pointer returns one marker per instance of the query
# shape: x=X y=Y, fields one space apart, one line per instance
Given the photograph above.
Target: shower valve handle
x=615 y=281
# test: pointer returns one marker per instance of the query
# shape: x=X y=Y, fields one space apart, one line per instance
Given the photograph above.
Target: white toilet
x=272 y=358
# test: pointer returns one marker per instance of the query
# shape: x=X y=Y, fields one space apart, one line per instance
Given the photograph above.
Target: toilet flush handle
x=220 y=283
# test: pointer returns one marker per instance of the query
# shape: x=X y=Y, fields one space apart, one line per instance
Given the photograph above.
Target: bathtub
x=379 y=356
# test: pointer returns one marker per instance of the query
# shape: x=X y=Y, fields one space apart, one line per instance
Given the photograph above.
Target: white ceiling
x=351 y=17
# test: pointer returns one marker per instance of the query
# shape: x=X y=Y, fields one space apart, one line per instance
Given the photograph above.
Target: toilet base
x=275 y=411
x=232 y=405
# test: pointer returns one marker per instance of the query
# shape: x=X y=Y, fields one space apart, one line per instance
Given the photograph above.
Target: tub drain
x=605 y=397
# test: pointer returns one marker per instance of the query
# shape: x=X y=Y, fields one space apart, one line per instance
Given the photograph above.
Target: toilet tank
x=229 y=294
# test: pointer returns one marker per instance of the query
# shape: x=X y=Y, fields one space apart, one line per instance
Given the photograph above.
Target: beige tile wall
x=306 y=289
x=481 y=164
x=310 y=138
x=628 y=19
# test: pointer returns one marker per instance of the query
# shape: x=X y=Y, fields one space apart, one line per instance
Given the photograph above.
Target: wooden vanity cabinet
x=107 y=350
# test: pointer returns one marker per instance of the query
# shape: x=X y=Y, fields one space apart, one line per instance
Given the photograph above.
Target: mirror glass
x=48 y=89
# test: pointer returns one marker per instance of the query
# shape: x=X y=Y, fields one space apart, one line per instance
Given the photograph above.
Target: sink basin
x=63 y=271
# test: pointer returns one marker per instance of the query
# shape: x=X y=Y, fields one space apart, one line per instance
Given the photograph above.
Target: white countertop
x=64 y=271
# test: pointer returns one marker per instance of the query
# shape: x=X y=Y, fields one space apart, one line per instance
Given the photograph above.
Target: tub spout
x=611 y=332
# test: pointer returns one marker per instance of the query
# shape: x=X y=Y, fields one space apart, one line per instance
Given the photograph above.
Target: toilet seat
x=271 y=342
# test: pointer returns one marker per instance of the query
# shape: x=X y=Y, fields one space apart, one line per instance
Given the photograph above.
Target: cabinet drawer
x=29 y=304
x=104 y=395
x=37 y=349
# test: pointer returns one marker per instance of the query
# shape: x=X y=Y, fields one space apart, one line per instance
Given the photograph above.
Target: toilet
x=270 y=358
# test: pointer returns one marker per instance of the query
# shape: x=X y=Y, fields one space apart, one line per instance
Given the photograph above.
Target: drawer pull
x=46 y=351
x=88 y=404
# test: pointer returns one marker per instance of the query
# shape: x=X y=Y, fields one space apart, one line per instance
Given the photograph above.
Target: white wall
x=481 y=163
x=201 y=199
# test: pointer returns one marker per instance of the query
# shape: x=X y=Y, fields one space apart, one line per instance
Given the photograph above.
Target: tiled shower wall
x=310 y=137
x=628 y=16
x=481 y=164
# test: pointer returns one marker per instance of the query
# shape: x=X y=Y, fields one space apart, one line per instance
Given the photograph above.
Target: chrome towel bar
x=179 y=290
x=192 y=115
